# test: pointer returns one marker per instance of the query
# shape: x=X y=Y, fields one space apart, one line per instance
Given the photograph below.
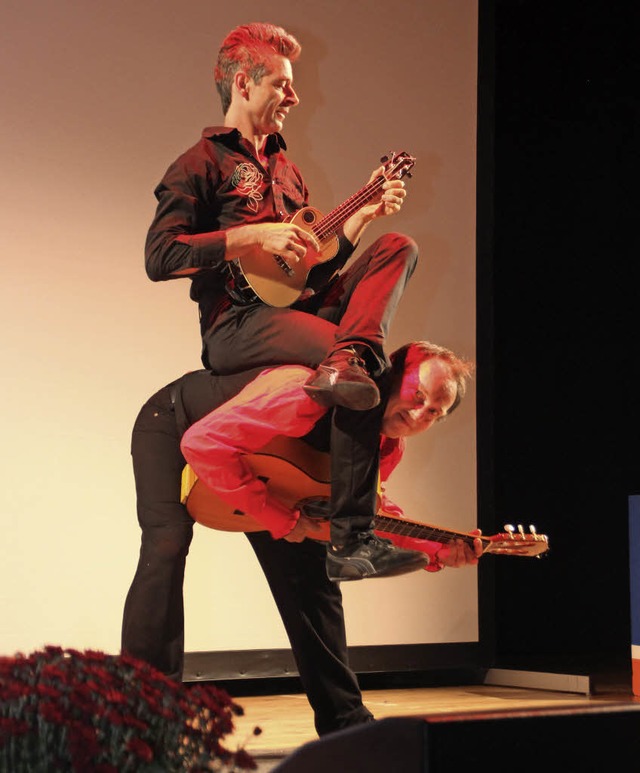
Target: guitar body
x=279 y=283
x=294 y=472
x=300 y=477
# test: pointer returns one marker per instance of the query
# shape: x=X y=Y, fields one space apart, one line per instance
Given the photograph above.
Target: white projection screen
x=98 y=98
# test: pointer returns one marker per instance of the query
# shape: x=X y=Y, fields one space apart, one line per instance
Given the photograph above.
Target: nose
x=291 y=96
x=418 y=415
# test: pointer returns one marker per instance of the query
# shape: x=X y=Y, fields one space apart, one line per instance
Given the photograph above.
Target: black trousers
x=357 y=307
x=310 y=605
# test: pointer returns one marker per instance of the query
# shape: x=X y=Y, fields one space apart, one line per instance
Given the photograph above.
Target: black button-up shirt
x=216 y=184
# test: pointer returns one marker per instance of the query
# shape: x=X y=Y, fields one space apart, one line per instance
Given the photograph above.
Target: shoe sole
x=361 y=569
x=357 y=397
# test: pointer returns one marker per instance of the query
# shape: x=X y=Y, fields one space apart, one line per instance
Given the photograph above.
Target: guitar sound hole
x=308 y=217
x=315 y=507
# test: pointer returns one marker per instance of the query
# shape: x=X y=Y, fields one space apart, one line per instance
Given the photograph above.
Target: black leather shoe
x=371 y=556
x=342 y=379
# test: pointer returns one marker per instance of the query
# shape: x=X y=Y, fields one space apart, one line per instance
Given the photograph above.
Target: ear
x=241 y=82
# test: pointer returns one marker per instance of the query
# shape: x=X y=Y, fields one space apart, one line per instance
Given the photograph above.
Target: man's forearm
x=216 y=447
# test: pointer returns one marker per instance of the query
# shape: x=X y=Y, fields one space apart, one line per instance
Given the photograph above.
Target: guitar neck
x=338 y=216
x=405 y=528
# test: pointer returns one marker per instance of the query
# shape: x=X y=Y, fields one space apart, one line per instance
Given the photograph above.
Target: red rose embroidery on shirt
x=247 y=180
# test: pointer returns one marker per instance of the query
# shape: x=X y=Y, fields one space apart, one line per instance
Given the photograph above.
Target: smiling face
x=267 y=102
x=425 y=394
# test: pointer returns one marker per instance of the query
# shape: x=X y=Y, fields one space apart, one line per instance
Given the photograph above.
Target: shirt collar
x=275 y=141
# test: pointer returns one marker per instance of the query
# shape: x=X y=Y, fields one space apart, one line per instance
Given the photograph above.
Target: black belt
x=237 y=287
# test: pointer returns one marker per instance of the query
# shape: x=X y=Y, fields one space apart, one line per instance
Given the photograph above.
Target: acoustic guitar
x=299 y=476
x=275 y=281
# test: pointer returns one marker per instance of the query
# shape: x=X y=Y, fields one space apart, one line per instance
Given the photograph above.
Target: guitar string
x=391 y=525
x=421 y=531
x=332 y=220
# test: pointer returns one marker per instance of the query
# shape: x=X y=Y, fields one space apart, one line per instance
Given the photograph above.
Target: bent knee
x=400 y=242
x=397 y=246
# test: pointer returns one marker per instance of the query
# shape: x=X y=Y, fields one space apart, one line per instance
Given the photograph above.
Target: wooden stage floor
x=286 y=720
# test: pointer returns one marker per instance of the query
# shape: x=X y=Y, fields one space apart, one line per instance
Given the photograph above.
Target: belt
x=237 y=287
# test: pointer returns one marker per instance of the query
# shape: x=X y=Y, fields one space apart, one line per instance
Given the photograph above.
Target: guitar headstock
x=397 y=165
x=515 y=541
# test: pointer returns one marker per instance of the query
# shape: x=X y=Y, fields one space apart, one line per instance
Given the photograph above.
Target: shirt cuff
x=278 y=519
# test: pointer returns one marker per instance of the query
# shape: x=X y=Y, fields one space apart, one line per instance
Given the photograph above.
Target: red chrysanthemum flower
x=89 y=712
x=140 y=749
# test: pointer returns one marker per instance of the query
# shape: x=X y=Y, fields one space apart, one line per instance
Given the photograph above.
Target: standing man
x=229 y=198
x=309 y=603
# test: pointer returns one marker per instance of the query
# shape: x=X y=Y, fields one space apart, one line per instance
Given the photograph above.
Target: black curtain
x=559 y=321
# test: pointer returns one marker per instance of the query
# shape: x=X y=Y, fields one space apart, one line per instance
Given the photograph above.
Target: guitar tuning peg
x=509 y=528
x=533 y=530
x=521 y=529
x=408 y=174
x=384 y=159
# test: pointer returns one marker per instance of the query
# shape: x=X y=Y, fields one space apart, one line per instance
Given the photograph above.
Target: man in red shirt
x=309 y=603
x=425 y=384
x=230 y=198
